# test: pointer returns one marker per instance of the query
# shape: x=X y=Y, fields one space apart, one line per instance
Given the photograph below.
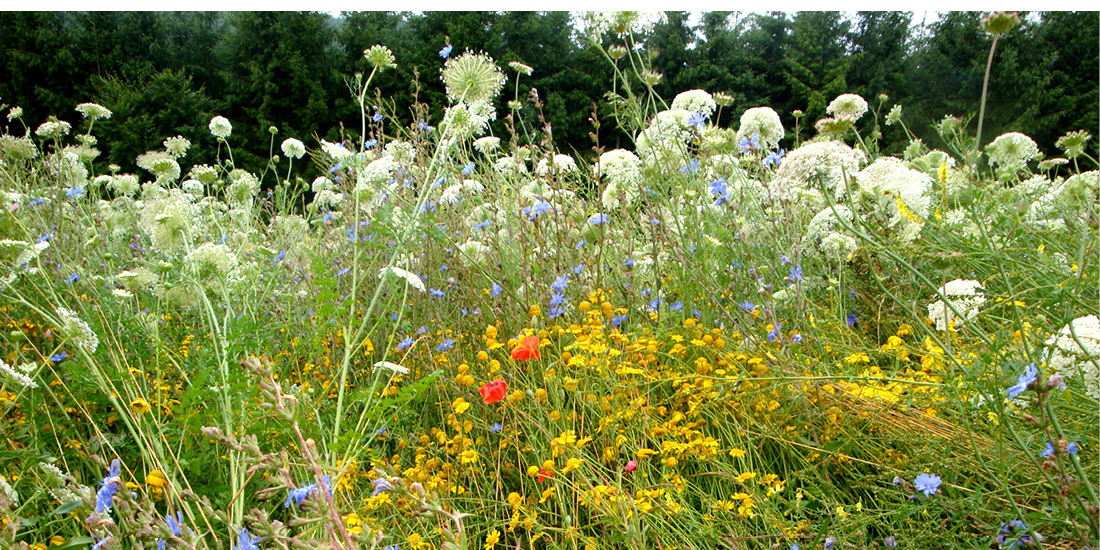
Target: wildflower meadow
x=767 y=334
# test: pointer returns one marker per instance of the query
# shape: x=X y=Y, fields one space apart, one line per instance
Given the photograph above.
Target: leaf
x=67 y=507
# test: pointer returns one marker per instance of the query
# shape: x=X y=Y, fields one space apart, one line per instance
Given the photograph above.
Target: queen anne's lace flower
x=472 y=77
x=965 y=295
x=1012 y=151
x=848 y=105
x=220 y=127
x=824 y=164
x=293 y=148
x=409 y=277
x=695 y=101
x=1076 y=350
x=76 y=330
x=763 y=121
x=15 y=377
x=902 y=194
x=93 y=111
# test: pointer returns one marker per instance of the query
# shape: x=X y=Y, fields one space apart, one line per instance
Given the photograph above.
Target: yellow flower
x=737 y=453
x=460 y=405
x=140 y=406
x=468 y=457
x=745 y=477
x=857 y=358
x=571 y=464
x=492 y=539
x=534 y=310
x=416 y=542
x=57 y=540
x=156 y=479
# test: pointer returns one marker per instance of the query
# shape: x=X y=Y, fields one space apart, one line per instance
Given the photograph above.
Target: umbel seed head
x=1000 y=22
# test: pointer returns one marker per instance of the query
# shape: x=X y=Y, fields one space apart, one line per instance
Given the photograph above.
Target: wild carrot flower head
x=472 y=77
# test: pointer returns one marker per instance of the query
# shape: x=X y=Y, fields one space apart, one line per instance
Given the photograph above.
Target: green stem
x=985 y=90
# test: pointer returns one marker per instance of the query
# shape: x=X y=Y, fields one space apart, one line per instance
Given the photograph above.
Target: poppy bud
x=631 y=466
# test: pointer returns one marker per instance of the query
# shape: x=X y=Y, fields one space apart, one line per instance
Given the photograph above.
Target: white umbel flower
x=695 y=101
x=394 y=367
x=411 y=278
x=765 y=122
x=1075 y=350
x=220 y=127
x=965 y=295
x=1012 y=151
x=93 y=111
x=76 y=330
x=293 y=148
x=13 y=376
x=848 y=105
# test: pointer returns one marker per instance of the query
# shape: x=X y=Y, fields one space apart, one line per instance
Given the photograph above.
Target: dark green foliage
x=167 y=73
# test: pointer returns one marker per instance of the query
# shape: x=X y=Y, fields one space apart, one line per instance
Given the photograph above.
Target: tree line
x=168 y=73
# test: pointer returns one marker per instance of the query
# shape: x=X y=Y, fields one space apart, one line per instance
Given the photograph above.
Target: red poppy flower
x=527 y=350
x=494 y=391
x=543 y=475
x=631 y=466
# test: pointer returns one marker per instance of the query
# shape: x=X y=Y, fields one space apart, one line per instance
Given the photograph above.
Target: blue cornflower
x=446 y=51
x=370 y=143
x=44 y=237
x=1026 y=379
x=466 y=170
x=749 y=144
x=298 y=495
x=580 y=244
x=496 y=428
x=718 y=186
x=697 y=119
x=598 y=219
x=560 y=284
x=174 y=524
x=426 y=127
x=422 y=330
x=245 y=541
x=445 y=345
x=405 y=344
x=555 y=311
x=628 y=263
x=74 y=192
x=556 y=299
x=927 y=484
x=72 y=278
x=1072 y=448
x=99 y=543
x=852 y=319
x=343 y=272
x=381 y=486
x=436 y=293
x=618 y=320
x=794 y=546
x=691 y=168
x=161 y=544
x=540 y=207
x=577 y=270
x=1049 y=451
x=830 y=543
x=108 y=487
x=394 y=547
x=482 y=225
x=654 y=304
x=784 y=259
x=496 y=290
x=774 y=334
x=796 y=338
x=774 y=158
x=891 y=542
x=678 y=305
x=796 y=274
x=747 y=305
x=377 y=117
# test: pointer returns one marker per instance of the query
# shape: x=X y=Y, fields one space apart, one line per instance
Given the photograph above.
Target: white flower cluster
x=1012 y=151
x=9 y=374
x=850 y=106
x=622 y=170
x=293 y=148
x=464 y=120
x=826 y=232
x=409 y=277
x=562 y=164
x=169 y=219
x=823 y=164
x=1066 y=200
x=76 y=330
x=487 y=144
x=695 y=101
x=966 y=297
x=765 y=122
x=1076 y=350
x=903 y=195
x=93 y=111
x=211 y=262
x=220 y=127
x=668 y=133
x=53 y=129
x=8 y=491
